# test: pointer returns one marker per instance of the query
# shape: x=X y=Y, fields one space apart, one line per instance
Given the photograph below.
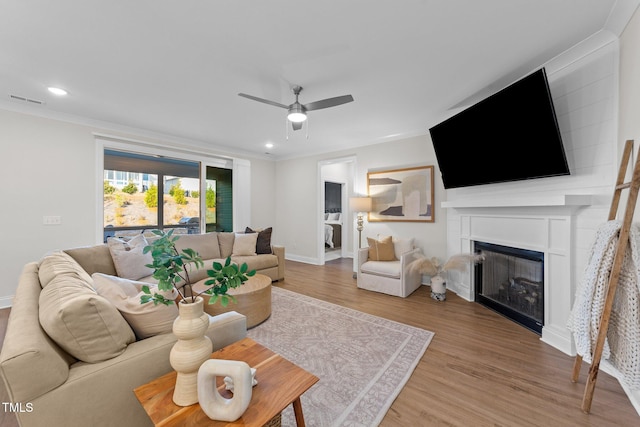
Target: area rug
x=363 y=361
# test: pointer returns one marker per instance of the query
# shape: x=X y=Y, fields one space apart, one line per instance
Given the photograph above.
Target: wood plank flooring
x=479 y=370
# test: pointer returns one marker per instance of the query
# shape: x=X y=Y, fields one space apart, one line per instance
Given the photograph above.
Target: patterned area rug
x=363 y=361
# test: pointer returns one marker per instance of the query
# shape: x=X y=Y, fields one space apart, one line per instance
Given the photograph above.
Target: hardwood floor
x=479 y=370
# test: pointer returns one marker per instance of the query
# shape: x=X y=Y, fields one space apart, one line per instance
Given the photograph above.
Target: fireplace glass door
x=511 y=281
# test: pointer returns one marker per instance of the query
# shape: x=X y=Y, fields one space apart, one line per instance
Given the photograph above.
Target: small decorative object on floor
x=438 y=288
x=434 y=268
x=212 y=403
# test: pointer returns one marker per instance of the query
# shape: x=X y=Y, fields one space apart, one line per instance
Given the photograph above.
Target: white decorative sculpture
x=228 y=381
x=212 y=403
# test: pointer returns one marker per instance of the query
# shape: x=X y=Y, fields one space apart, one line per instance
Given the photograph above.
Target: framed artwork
x=401 y=195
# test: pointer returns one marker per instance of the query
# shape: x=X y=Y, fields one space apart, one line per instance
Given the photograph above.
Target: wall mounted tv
x=510 y=136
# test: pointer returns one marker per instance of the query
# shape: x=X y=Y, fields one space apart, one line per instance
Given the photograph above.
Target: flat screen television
x=512 y=135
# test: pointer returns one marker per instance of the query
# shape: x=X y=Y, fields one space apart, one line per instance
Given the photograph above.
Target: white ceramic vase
x=191 y=350
x=438 y=288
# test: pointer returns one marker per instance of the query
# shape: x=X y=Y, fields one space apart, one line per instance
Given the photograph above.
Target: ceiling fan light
x=296 y=114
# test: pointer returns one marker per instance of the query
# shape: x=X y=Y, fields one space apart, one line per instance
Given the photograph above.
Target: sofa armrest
x=410 y=277
x=226 y=328
x=279 y=252
x=363 y=256
x=407 y=257
x=30 y=362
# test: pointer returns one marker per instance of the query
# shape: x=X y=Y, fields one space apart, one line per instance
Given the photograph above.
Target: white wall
x=584 y=88
x=49 y=169
x=629 y=106
x=297 y=189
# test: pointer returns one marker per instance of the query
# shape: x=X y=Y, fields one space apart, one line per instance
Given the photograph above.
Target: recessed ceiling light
x=57 y=91
x=268 y=145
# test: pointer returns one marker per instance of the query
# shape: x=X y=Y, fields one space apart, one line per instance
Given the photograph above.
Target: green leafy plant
x=225 y=277
x=130 y=188
x=179 y=196
x=151 y=196
x=170 y=268
x=108 y=188
x=210 y=198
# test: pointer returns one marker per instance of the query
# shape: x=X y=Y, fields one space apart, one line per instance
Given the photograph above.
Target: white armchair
x=390 y=277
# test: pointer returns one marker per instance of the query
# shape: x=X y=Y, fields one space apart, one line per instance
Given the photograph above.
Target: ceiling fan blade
x=329 y=102
x=297 y=125
x=265 y=101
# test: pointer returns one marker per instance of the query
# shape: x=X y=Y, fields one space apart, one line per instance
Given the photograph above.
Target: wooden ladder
x=633 y=186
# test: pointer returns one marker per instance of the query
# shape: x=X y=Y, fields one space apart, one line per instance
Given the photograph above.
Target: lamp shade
x=360 y=204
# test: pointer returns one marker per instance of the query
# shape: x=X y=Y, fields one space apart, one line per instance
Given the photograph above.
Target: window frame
x=104 y=142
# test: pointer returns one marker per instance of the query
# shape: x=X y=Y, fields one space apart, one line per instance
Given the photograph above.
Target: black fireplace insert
x=511 y=282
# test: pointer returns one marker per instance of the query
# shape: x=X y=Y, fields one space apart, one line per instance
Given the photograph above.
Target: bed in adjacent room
x=333 y=229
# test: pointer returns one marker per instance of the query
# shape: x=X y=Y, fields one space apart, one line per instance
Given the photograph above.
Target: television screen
x=511 y=135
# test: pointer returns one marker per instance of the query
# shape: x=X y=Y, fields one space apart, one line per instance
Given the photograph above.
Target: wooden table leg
x=297 y=410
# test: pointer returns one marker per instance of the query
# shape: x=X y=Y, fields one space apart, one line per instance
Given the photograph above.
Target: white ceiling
x=175 y=67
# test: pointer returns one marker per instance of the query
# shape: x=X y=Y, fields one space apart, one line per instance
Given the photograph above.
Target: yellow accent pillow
x=381 y=249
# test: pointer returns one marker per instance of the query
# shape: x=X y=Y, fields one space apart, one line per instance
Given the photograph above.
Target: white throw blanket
x=622 y=346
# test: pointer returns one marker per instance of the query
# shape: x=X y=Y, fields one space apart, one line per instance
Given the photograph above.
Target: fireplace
x=511 y=282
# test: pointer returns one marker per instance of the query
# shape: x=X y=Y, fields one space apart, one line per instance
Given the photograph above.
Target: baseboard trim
x=299 y=258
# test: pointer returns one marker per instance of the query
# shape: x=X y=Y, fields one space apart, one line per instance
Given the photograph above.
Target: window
x=134 y=185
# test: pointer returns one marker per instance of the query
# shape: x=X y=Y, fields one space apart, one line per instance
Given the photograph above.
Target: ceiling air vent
x=25 y=100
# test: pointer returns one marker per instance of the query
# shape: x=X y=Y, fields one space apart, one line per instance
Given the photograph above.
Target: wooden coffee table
x=280 y=383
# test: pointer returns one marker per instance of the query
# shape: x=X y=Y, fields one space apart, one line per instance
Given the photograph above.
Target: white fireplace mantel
x=543 y=223
x=568 y=200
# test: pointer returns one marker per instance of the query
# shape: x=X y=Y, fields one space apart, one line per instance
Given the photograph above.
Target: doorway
x=335 y=228
x=333 y=219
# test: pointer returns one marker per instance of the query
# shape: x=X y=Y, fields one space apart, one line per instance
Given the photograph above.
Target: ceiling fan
x=297 y=111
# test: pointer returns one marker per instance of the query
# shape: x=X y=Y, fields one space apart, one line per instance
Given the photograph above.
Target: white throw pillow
x=402 y=245
x=128 y=258
x=146 y=320
x=245 y=244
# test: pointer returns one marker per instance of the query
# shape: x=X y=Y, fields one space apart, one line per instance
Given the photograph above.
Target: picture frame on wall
x=402 y=195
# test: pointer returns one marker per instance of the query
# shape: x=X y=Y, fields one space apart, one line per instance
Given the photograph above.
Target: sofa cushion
x=205 y=244
x=146 y=320
x=83 y=323
x=94 y=259
x=244 y=244
x=402 y=246
x=226 y=243
x=256 y=262
x=128 y=257
x=61 y=263
x=382 y=268
x=263 y=245
x=381 y=249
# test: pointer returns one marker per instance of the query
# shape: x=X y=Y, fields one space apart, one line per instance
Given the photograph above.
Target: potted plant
x=434 y=268
x=171 y=268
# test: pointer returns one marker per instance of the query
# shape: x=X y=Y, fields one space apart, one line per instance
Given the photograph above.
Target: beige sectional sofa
x=82 y=373
x=219 y=246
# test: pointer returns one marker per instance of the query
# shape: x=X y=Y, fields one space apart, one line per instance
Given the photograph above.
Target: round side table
x=253 y=299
